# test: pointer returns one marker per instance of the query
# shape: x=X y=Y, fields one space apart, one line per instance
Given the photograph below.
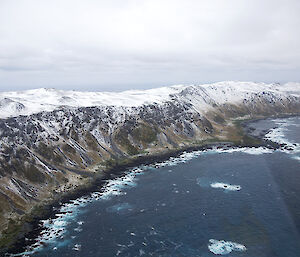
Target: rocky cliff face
x=46 y=152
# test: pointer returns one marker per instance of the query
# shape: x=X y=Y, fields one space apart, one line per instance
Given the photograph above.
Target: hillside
x=52 y=141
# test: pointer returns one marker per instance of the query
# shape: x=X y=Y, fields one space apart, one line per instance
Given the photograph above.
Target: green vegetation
x=48 y=153
x=29 y=171
x=122 y=139
x=117 y=162
x=9 y=235
x=74 y=134
x=245 y=140
x=69 y=149
x=206 y=123
x=33 y=174
x=91 y=141
x=219 y=119
x=144 y=133
x=45 y=151
x=57 y=159
x=16 y=227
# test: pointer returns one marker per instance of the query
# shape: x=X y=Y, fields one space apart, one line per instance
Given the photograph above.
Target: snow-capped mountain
x=38 y=100
x=51 y=140
x=43 y=99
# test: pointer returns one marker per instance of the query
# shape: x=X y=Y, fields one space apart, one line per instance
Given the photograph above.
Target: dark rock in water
x=288 y=148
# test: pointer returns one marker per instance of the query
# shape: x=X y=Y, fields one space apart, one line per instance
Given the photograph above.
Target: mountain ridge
x=32 y=101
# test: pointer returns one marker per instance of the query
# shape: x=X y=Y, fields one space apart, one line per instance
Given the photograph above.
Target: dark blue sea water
x=250 y=198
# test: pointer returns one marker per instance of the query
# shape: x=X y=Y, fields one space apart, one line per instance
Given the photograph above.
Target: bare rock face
x=47 y=149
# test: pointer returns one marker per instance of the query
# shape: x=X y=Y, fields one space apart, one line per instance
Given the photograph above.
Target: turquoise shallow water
x=189 y=205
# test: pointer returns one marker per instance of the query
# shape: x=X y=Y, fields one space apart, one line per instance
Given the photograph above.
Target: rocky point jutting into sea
x=55 y=142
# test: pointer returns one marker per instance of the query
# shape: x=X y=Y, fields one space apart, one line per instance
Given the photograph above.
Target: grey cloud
x=130 y=43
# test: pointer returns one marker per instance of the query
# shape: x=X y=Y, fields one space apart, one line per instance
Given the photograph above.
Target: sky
x=115 y=45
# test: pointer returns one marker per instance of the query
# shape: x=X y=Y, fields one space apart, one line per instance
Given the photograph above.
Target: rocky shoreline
x=30 y=230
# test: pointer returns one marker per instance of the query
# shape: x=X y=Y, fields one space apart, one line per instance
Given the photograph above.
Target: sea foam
x=277 y=135
x=224 y=247
x=224 y=186
x=55 y=228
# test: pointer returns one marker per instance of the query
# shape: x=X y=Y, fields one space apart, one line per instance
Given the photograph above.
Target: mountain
x=38 y=100
x=53 y=141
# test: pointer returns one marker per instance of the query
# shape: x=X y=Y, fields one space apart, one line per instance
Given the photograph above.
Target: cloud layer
x=120 y=44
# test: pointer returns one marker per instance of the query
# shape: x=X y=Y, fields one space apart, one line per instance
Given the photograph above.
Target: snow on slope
x=201 y=96
x=37 y=100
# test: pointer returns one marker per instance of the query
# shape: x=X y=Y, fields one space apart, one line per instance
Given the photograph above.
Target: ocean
x=234 y=202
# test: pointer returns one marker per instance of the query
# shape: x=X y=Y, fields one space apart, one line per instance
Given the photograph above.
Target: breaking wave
x=278 y=135
x=226 y=186
x=224 y=247
x=54 y=229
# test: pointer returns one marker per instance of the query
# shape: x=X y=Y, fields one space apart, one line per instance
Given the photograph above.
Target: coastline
x=30 y=229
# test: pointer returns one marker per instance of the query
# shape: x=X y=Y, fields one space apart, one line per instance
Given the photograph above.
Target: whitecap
x=224 y=247
x=76 y=247
x=247 y=150
x=258 y=150
x=225 y=186
x=78 y=229
x=277 y=135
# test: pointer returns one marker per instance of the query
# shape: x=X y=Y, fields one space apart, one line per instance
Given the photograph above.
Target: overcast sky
x=124 y=44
